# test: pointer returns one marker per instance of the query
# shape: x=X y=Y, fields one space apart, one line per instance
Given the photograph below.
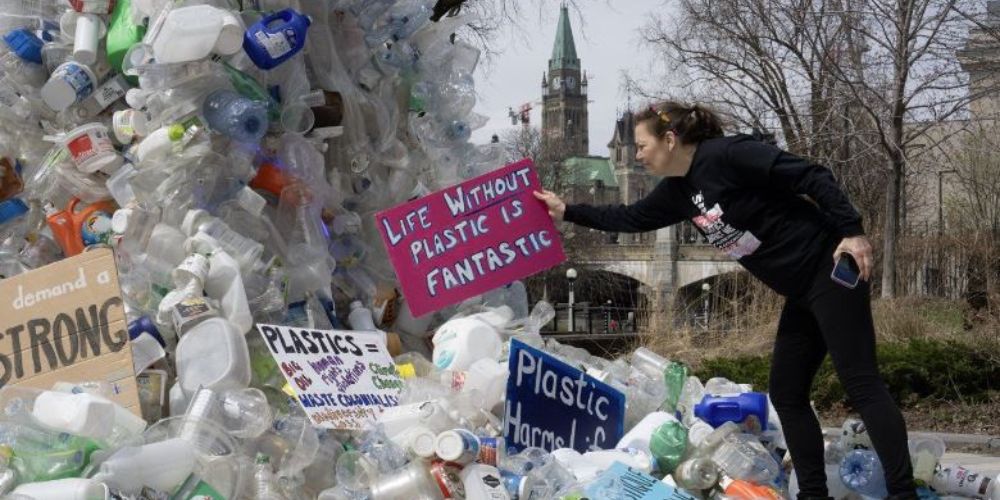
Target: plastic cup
x=297 y=118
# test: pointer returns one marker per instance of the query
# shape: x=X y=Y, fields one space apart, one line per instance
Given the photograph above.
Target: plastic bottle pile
x=232 y=153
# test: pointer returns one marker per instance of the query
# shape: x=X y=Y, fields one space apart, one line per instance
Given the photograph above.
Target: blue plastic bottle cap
x=12 y=209
x=25 y=44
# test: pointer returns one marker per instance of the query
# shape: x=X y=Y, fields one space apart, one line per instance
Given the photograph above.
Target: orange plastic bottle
x=76 y=230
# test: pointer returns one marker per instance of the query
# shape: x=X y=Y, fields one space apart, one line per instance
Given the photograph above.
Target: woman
x=746 y=197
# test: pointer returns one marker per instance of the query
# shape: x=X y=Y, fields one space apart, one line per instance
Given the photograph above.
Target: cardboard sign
x=471 y=238
x=65 y=322
x=551 y=404
x=343 y=379
x=625 y=483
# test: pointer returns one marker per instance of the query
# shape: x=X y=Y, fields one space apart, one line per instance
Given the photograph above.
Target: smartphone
x=845 y=271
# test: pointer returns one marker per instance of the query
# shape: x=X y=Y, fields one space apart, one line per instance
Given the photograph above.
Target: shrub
x=913 y=370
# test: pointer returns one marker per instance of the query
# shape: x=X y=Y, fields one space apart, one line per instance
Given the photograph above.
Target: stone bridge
x=676 y=258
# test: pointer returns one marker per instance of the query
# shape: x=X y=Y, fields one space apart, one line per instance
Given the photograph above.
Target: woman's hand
x=557 y=209
x=861 y=249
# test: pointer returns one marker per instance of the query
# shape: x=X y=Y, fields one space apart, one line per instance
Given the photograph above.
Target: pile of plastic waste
x=232 y=154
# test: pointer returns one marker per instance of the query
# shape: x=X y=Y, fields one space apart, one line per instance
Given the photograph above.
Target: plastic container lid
x=450 y=446
x=423 y=444
x=12 y=209
x=25 y=44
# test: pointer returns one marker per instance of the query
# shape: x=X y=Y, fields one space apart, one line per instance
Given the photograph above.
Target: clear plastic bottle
x=696 y=474
x=742 y=456
x=862 y=472
x=235 y=116
x=264 y=484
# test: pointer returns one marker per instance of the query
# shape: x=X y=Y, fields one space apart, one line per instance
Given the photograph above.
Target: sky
x=608 y=42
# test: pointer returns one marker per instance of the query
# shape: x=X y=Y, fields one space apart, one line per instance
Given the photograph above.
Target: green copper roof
x=564 y=50
x=584 y=170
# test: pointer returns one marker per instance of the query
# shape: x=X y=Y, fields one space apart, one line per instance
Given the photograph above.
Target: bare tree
x=853 y=83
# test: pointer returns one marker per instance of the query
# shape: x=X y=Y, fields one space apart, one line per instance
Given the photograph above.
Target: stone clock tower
x=564 y=96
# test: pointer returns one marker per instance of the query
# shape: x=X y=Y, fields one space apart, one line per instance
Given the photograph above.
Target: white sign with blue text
x=551 y=404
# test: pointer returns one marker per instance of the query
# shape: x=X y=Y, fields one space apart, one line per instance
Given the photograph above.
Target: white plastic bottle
x=63 y=489
x=246 y=251
x=483 y=482
x=462 y=341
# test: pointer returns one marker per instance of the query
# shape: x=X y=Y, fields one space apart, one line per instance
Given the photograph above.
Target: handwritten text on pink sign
x=471 y=238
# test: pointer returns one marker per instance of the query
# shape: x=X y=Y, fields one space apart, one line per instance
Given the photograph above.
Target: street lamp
x=705 y=289
x=940 y=175
x=571 y=277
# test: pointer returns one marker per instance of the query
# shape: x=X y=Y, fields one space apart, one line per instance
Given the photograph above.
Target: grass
x=926 y=356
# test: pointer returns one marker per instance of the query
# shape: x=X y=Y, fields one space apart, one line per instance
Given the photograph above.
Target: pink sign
x=471 y=238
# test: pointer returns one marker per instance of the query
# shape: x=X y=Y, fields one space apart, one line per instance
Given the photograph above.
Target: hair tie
x=662 y=114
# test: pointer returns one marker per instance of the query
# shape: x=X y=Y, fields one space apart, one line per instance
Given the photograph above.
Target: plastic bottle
x=460 y=342
x=275 y=38
x=483 y=482
x=862 y=472
x=63 y=489
x=749 y=409
x=457 y=446
x=194 y=32
x=696 y=474
x=264 y=485
x=741 y=456
x=667 y=444
x=246 y=251
x=235 y=116
x=84 y=414
x=960 y=481
x=75 y=230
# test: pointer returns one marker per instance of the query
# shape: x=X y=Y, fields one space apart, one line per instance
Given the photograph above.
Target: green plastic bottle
x=122 y=35
x=674 y=376
x=667 y=444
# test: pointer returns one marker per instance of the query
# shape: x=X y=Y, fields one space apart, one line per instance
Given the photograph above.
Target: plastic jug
x=213 y=354
x=162 y=465
x=462 y=341
x=717 y=410
x=63 y=489
x=74 y=231
x=193 y=33
x=276 y=38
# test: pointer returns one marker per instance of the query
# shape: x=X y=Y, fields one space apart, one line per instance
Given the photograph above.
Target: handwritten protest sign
x=471 y=238
x=65 y=322
x=343 y=379
x=625 y=483
x=540 y=387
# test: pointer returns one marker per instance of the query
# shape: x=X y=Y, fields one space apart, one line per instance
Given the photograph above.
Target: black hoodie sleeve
x=755 y=164
x=652 y=212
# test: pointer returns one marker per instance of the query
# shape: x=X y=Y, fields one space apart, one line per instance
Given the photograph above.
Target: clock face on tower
x=557 y=82
x=570 y=83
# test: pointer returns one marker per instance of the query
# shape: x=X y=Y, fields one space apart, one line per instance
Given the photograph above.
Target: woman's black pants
x=831 y=318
